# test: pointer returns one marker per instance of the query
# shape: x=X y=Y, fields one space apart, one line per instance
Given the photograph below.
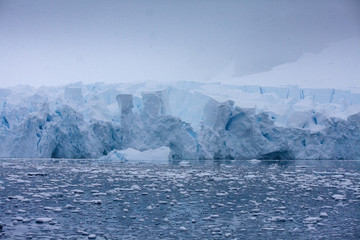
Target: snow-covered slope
x=337 y=66
x=194 y=120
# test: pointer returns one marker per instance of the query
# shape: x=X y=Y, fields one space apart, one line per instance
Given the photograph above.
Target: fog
x=57 y=42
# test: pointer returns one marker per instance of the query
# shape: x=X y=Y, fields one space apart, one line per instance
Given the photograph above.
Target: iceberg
x=158 y=155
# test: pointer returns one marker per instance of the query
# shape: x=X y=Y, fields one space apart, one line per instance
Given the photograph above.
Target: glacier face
x=194 y=120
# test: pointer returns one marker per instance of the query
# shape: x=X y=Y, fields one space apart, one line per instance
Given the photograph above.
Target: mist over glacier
x=61 y=41
x=91 y=120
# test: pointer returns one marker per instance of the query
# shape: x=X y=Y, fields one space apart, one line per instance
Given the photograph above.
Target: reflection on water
x=43 y=198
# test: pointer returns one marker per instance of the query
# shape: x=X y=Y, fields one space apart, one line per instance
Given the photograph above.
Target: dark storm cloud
x=52 y=42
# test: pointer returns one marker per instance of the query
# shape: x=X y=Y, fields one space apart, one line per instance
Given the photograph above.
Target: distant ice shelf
x=192 y=120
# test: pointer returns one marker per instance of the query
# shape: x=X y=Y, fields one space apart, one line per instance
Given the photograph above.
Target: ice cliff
x=193 y=120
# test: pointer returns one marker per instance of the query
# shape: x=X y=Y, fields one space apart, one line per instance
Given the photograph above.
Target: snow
x=336 y=67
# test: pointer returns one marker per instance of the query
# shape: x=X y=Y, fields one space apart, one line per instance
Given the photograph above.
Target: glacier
x=193 y=120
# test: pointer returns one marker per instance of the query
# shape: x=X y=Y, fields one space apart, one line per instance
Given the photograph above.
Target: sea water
x=88 y=199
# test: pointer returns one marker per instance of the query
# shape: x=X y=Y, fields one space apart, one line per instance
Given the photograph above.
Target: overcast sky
x=45 y=42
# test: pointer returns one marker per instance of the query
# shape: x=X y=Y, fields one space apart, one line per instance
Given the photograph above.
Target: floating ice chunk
x=312 y=220
x=114 y=155
x=70 y=206
x=95 y=201
x=17 y=197
x=78 y=191
x=277 y=219
x=323 y=214
x=339 y=197
x=184 y=163
x=92 y=236
x=158 y=155
x=19 y=219
x=182 y=228
x=221 y=194
x=135 y=187
x=271 y=199
x=250 y=176
x=268 y=228
x=36 y=174
x=83 y=233
x=43 y=220
x=319 y=198
x=55 y=209
x=254 y=161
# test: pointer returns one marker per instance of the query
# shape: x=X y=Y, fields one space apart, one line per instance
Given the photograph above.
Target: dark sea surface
x=88 y=199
